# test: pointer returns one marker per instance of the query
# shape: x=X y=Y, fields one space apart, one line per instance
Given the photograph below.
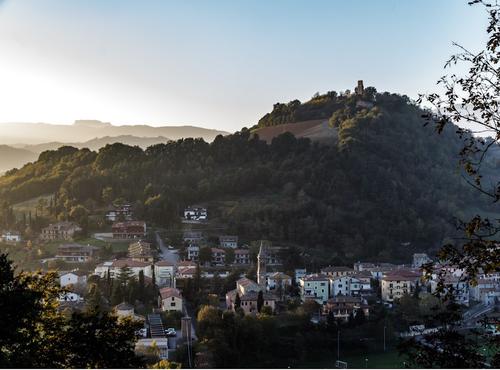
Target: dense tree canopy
x=34 y=333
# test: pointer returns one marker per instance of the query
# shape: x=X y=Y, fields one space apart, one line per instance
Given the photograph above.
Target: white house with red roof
x=170 y=299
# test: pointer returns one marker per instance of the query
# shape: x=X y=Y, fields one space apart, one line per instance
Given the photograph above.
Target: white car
x=170 y=332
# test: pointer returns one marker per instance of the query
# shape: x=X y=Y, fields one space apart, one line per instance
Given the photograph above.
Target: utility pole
x=384 y=338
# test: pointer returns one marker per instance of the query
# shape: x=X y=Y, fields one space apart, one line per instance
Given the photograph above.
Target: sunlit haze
x=217 y=64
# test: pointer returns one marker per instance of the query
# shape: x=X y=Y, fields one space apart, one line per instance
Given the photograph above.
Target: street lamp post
x=338 y=344
x=384 y=338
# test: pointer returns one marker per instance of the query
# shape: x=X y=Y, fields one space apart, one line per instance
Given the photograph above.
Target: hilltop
x=385 y=187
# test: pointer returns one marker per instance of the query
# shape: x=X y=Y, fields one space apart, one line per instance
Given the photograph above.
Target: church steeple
x=261 y=266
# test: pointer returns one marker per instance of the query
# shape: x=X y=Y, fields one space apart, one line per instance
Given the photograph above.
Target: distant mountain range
x=21 y=143
x=83 y=130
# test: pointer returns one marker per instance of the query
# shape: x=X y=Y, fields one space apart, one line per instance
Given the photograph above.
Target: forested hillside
x=386 y=182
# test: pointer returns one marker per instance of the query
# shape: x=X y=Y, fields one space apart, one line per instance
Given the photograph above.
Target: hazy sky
x=219 y=64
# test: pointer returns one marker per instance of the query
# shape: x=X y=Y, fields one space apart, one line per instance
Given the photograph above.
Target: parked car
x=170 y=332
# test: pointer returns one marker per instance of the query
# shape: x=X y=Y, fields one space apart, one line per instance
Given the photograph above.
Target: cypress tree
x=260 y=301
x=237 y=302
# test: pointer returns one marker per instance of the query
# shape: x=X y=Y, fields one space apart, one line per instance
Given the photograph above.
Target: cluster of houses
x=335 y=286
x=195 y=240
x=272 y=285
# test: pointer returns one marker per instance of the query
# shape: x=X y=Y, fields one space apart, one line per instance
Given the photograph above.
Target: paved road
x=166 y=254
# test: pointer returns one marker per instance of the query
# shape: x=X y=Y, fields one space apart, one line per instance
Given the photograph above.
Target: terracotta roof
x=188 y=271
x=336 y=269
x=74 y=272
x=241 y=251
x=186 y=263
x=362 y=274
x=399 y=277
x=315 y=277
x=280 y=275
x=169 y=292
x=129 y=263
x=218 y=250
x=245 y=282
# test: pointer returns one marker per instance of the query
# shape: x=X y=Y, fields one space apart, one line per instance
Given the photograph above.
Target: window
x=172 y=304
x=173 y=298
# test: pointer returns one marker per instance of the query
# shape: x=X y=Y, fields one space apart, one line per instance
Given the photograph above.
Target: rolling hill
x=38 y=133
x=11 y=157
x=385 y=187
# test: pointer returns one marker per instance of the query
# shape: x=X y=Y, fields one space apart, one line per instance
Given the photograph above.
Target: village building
x=454 y=285
x=145 y=346
x=299 y=274
x=11 y=236
x=193 y=252
x=278 y=280
x=397 y=283
x=165 y=274
x=487 y=289
x=273 y=255
x=228 y=241
x=196 y=213
x=249 y=302
x=186 y=269
x=121 y=212
x=218 y=257
x=75 y=253
x=346 y=285
x=140 y=251
x=241 y=257
x=245 y=285
x=64 y=230
x=365 y=279
x=126 y=310
x=186 y=273
x=114 y=268
x=170 y=299
x=192 y=237
x=248 y=292
x=337 y=271
x=129 y=230
x=315 y=287
x=72 y=278
x=344 y=307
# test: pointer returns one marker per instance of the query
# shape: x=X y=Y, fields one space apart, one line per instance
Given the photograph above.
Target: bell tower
x=261 y=266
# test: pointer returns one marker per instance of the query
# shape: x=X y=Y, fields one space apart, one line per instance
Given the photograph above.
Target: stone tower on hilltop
x=358 y=90
x=261 y=266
